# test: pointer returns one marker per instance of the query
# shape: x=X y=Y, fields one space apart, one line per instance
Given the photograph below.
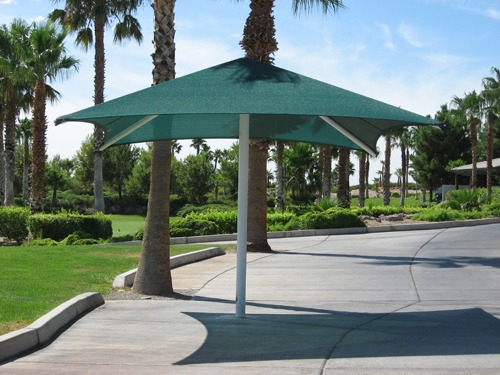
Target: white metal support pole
x=241 y=249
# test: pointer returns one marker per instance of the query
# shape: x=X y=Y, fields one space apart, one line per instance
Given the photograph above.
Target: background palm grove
x=34 y=57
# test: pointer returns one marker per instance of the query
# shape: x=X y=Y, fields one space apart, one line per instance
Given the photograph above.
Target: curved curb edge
x=126 y=279
x=44 y=329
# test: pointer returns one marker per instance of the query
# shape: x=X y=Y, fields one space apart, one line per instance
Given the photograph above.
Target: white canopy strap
x=126 y=132
x=349 y=135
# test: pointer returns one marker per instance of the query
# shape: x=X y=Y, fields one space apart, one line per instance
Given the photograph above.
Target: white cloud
x=493 y=13
x=386 y=31
x=409 y=34
x=7 y=2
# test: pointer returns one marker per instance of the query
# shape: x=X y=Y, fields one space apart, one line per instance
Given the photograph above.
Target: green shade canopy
x=282 y=105
x=246 y=99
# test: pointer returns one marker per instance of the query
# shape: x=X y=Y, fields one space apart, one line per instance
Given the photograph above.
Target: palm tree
x=259 y=43
x=80 y=17
x=491 y=97
x=176 y=146
x=362 y=177
x=13 y=46
x=401 y=137
x=343 y=194
x=24 y=135
x=153 y=275
x=326 y=165
x=386 y=181
x=199 y=145
x=280 y=186
x=47 y=62
x=470 y=108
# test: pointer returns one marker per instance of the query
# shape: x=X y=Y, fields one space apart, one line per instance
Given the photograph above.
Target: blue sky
x=416 y=54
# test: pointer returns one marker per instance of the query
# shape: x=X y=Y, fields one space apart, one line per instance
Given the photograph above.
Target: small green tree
x=137 y=184
x=229 y=171
x=56 y=175
x=118 y=164
x=195 y=178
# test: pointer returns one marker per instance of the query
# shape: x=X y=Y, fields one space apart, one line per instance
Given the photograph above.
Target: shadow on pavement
x=448 y=262
x=323 y=334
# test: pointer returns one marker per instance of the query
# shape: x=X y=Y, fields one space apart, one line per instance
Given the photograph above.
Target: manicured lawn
x=126 y=224
x=36 y=279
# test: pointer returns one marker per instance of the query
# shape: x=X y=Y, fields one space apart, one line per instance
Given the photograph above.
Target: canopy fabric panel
x=283 y=105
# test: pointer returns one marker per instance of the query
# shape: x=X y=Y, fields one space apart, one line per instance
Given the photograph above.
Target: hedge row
x=60 y=226
x=13 y=223
x=17 y=224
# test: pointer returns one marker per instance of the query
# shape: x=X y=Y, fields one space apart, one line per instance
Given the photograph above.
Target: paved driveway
x=421 y=302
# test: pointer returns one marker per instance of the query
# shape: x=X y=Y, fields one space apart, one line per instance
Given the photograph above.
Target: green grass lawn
x=126 y=224
x=36 y=279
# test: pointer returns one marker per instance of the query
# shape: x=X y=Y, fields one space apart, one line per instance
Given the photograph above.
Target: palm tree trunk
x=473 y=140
x=362 y=178
x=327 y=172
x=387 y=171
x=10 y=144
x=280 y=189
x=259 y=43
x=403 y=176
x=153 y=275
x=367 y=176
x=2 y=157
x=99 y=66
x=26 y=169
x=37 y=197
x=257 y=196
x=489 y=159
x=343 y=181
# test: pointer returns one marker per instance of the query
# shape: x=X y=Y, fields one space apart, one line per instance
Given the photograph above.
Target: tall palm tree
x=89 y=19
x=401 y=138
x=47 y=62
x=153 y=275
x=343 y=194
x=199 y=144
x=23 y=136
x=362 y=177
x=2 y=164
x=470 y=108
x=280 y=185
x=386 y=180
x=13 y=46
x=259 y=43
x=491 y=97
x=326 y=188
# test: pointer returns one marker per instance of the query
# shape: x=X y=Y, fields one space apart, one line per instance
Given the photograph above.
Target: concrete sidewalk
x=423 y=302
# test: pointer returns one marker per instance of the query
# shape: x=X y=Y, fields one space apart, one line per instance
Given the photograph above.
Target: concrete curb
x=127 y=279
x=338 y=231
x=45 y=328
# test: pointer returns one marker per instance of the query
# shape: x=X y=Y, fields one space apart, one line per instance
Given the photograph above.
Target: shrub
x=60 y=226
x=326 y=202
x=446 y=215
x=493 y=210
x=13 y=223
x=42 y=242
x=332 y=218
x=376 y=211
x=79 y=238
x=225 y=220
x=466 y=199
x=192 y=227
x=278 y=219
